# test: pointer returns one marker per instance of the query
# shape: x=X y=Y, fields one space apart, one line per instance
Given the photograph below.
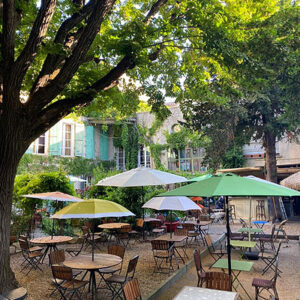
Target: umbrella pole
x=250 y=217
x=52 y=229
x=171 y=225
x=143 y=200
x=93 y=246
x=228 y=236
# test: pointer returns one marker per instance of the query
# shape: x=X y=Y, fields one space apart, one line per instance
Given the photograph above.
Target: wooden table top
x=112 y=225
x=175 y=238
x=189 y=292
x=201 y=223
x=84 y=262
x=51 y=240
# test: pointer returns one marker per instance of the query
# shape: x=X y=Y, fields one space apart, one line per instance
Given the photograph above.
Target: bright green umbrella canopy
x=228 y=184
x=199 y=178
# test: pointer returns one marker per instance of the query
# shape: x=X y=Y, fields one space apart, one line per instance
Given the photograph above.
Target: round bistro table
x=85 y=262
x=113 y=228
x=51 y=242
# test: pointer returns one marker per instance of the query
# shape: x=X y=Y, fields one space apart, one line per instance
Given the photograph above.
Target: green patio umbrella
x=228 y=184
x=199 y=178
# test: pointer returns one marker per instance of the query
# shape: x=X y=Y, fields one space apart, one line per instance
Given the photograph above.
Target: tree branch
x=52 y=61
x=154 y=10
x=38 y=32
x=8 y=34
x=46 y=94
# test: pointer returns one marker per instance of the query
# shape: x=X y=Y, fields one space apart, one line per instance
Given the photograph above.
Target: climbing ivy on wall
x=127 y=137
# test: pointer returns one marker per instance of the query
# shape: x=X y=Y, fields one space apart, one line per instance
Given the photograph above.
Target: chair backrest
x=282 y=224
x=159 y=245
x=180 y=231
x=62 y=272
x=85 y=230
x=57 y=257
x=243 y=222
x=155 y=224
x=273 y=231
x=140 y=223
x=125 y=228
x=188 y=226
x=208 y=240
x=197 y=259
x=131 y=267
x=204 y=218
x=132 y=290
x=23 y=245
x=116 y=250
x=12 y=239
x=218 y=281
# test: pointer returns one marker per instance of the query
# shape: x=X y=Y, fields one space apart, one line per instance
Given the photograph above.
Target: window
x=67 y=140
x=120 y=159
x=39 y=145
x=144 y=157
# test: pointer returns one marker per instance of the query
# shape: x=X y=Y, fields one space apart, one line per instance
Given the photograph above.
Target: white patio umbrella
x=76 y=179
x=141 y=176
x=54 y=196
x=171 y=203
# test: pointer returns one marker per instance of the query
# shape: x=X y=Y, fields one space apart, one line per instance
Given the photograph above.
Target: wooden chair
x=132 y=290
x=116 y=282
x=65 y=281
x=30 y=249
x=89 y=238
x=31 y=259
x=269 y=258
x=181 y=245
x=191 y=233
x=200 y=271
x=74 y=251
x=282 y=230
x=155 y=228
x=218 y=281
x=162 y=252
x=266 y=285
x=263 y=241
x=216 y=254
x=123 y=235
x=236 y=236
x=118 y=250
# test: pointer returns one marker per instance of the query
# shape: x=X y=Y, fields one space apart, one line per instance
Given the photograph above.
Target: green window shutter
x=30 y=149
x=104 y=141
x=79 y=139
x=89 y=142
x=55 y=140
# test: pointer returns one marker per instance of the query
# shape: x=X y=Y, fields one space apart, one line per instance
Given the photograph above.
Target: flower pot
x=173 y=227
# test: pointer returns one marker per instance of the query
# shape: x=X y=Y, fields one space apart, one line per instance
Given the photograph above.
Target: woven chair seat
x=116 y=278
x=35 y=248
x=265 y=283
x=34 y=254
x=73 y=284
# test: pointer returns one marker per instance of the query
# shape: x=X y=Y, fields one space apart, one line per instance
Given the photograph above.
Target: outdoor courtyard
x=38 y=284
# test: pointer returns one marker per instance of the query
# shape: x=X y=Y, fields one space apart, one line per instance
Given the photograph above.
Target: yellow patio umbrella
x=92 y=209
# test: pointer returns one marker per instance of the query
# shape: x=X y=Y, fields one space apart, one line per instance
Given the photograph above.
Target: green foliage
x=77 y=166
x=60 y=227
x=234 y=157
x=38 y=183
x=155 y=151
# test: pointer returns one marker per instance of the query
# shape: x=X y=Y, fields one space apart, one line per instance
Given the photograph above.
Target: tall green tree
x=57 y=56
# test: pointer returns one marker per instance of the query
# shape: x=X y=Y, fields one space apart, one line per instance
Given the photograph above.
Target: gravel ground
x=38 y=283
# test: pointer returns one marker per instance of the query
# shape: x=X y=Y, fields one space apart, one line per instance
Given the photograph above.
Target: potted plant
x=171 y=222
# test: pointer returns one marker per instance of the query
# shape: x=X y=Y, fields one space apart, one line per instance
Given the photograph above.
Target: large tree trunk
x=11 y=150
x=271 y=172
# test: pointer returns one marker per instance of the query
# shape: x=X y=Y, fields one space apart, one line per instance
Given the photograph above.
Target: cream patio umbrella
x=92 y=209
x=292 y=182
x=53 y=196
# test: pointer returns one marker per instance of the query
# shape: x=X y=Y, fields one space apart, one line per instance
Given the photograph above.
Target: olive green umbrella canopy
x=228 y=184
x=199 y=178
